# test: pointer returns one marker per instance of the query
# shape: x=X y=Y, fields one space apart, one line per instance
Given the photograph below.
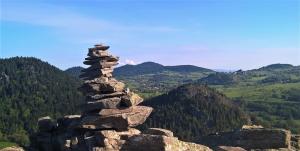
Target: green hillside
x=29 y=89
x=270 y=93
x=193 y=110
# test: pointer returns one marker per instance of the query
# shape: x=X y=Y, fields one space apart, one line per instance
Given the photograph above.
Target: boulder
x=129 y=133
x=45 y=124
x=131 y=99
x=263 y=138
x=158 y=131
x=146 y=142
x=254 y=138
x=119 y=119
x=106 y=87
x=108 y=103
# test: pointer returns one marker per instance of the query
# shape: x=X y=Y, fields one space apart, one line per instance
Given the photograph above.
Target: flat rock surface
x=158 y=131
x=146 y=142
x=116 y=118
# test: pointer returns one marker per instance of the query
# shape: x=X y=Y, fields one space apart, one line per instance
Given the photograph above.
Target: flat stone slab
x=108 y=103
x=145 y=142
x=119 y=119
x=96 y=97
x=105 y=59
x=159 y=131
x=97 y=73
x=106 y=87
x=132 y=99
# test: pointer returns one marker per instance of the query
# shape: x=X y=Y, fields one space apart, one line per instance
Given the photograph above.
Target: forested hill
x=194 y=110
x=146 y=68
x=29 y=89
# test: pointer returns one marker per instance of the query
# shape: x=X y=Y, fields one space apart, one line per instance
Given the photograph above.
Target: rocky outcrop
x=108 y=117
x=295 y=142
x=257 y=138
x=13 y=148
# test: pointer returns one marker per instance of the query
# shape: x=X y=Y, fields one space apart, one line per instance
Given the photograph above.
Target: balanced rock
x=119 y=119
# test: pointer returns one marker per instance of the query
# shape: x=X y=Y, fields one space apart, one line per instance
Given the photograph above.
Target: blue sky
x=217 y=34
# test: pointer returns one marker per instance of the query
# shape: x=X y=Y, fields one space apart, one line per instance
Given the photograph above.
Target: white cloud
x=130 y=62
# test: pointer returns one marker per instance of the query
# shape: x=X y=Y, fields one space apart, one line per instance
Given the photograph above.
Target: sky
x=215 y=34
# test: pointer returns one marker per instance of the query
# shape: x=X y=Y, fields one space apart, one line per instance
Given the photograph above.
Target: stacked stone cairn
x=109 y=108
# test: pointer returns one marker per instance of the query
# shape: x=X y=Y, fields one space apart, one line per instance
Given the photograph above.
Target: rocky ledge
x=254 y=138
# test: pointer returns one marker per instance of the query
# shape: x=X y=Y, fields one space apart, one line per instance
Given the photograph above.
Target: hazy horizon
x=214 y=34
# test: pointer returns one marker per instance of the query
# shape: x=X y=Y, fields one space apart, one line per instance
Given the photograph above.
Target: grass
x=267 y=102
x=6 y=144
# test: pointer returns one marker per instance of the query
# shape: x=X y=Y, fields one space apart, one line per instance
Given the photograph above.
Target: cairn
x=108 y=116
x=109 y=106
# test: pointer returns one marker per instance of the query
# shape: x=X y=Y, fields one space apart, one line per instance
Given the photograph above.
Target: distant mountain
x=194 y=110
x=30 y=89
x=220 y=78
x=143 y=68
x=74 y=71
x=277 y=66
x=152 y=68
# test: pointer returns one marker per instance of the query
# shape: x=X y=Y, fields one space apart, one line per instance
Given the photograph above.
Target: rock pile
x=108 y=117
x=251 y=138
x=108 y=104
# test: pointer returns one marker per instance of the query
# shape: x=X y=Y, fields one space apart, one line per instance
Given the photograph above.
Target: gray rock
x=147 y=142
x=131 y=99
x=105 y=87
x=158 y=131
x=108 y=103
x=119 y=119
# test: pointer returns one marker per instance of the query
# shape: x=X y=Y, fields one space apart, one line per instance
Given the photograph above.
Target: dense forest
x=194 y=110
x=30 y=89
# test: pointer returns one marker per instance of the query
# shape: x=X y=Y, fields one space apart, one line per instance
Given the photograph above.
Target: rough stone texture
x=159 y=131
x=116 y=118
x=147 y=142
x=259 y=138
x=229 y=148
x=295 y=144
x=13 y=148
x=132 y=99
